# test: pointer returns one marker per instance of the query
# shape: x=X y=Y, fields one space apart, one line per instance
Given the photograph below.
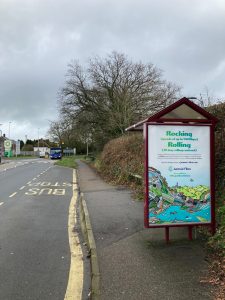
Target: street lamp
x=9 y=129
x=38 y=140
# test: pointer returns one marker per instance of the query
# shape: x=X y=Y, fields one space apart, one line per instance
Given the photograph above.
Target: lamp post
x=9 y=129
x=38 y=141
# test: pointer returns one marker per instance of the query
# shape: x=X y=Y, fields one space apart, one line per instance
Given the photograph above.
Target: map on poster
x=179 y=174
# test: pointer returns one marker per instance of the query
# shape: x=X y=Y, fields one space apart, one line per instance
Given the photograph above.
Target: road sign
x=17 y=147
x=8 y=144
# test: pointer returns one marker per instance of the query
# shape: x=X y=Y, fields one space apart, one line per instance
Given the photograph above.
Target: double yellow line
x=75 y=282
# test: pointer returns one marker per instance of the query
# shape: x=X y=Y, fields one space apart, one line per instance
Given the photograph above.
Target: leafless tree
x=113 y=92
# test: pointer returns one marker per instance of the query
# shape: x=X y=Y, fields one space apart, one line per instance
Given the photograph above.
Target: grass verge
x=69 y=162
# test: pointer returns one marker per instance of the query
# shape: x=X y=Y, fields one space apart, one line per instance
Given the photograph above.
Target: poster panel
x=178 y=175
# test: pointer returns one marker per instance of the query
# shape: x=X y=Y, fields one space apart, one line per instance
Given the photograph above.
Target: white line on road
x=13 y=195
x=1 y=203
x=22 y=187
x=29 y=182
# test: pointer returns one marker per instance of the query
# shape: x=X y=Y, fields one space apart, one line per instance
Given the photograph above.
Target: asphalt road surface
x=34 y=249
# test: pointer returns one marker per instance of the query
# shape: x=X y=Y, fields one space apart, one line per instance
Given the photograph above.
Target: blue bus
x=56 y=153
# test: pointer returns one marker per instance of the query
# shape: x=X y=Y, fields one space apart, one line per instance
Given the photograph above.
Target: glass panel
x=183 y=112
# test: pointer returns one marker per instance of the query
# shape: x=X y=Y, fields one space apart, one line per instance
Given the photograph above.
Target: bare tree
x=60 y=131
x=113 y=92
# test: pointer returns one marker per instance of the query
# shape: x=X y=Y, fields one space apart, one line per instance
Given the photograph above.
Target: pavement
x=136 y=263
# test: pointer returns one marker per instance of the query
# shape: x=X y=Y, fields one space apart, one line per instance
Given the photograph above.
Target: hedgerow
x=122 y=159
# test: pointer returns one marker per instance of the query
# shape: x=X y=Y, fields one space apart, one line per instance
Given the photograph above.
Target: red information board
x=179 y=167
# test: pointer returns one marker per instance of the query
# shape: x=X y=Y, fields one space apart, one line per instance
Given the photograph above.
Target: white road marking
x=22 y=187
x=1 y=203
x=13 y=195
x=29 y=182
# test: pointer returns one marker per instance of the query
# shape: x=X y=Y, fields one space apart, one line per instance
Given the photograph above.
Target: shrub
x=122 y=158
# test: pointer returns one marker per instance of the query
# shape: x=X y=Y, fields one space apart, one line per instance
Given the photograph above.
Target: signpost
x=17 y=148
x=8 y=148
x=179 y=167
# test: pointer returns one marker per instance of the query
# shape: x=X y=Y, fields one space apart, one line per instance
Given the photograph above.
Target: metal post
x=190 y=233
x=9 y=129
x=87 y=147
x=38 y=142
x=167 y=234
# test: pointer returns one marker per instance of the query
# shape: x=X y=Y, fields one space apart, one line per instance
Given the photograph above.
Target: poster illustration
x=179 y=175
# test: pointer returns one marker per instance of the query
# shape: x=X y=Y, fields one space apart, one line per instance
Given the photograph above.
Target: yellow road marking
x=13 y=195
x=75 y=282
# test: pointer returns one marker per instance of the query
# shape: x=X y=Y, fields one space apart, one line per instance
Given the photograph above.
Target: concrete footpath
x=136 y=263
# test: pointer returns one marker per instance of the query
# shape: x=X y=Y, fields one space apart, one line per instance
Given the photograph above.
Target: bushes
x=217 y=242
x=122 y=158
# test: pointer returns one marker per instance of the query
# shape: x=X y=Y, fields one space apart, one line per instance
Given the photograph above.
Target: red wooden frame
x=159 y=116
x=158 y=119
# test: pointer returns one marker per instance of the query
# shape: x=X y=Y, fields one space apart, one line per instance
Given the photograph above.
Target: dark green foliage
x=122 y=159
x=218 y=240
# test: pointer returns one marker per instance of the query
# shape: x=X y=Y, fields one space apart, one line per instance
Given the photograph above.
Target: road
x=34 y=247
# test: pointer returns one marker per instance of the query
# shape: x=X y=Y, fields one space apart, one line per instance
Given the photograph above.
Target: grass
x=69 y=162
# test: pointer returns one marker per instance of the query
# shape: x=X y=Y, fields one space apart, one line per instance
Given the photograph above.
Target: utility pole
x=9 y=129
x=38 y=140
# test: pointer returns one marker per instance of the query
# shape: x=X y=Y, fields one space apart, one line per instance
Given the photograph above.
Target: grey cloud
x=185 y=38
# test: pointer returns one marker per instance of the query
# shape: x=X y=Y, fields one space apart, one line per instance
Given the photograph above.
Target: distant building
x=41 y=151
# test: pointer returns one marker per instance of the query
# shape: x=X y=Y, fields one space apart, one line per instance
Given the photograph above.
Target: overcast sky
x=38 y=38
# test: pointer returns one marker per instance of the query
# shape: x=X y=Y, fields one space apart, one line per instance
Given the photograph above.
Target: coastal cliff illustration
x=177 y=204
